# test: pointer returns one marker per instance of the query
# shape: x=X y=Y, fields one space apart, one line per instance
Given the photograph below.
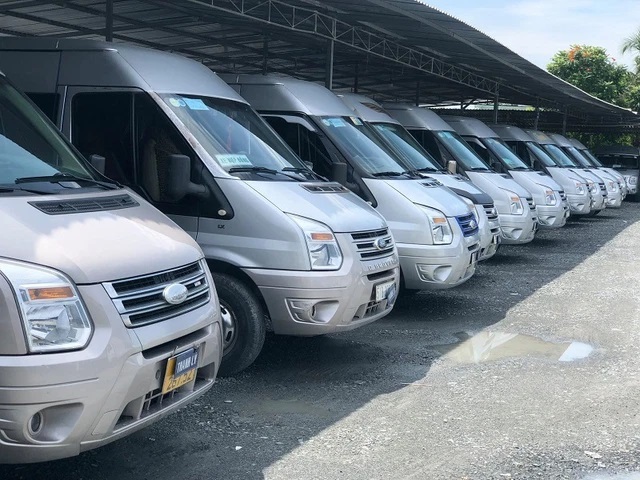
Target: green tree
x=594 y=71
x=631 y=44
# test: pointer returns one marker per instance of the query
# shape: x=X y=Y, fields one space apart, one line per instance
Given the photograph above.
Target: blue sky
x=537 y=29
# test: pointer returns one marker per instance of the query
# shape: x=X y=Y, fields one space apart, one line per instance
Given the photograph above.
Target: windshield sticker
x=176 y=102
x=334 y=122
x=232 y=160
x=195 y=104
x=356 y=121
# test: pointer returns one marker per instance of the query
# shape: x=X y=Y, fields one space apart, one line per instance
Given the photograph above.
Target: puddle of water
x=489 y=346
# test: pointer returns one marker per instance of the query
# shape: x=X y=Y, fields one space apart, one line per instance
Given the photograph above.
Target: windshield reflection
x=542 y=156
x=502 y=151
x=559 y=157
x=462 y=152
x=414 y=157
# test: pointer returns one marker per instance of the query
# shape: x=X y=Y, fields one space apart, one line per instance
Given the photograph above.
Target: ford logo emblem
x=175 y=294
x=382 y=243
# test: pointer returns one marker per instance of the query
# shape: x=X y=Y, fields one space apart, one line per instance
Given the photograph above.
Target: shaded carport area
x=400 y=50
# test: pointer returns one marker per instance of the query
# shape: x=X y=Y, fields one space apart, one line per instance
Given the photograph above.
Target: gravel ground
x=458 y=384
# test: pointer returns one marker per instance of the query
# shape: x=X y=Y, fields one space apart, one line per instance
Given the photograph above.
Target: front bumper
x=614 y=199
x=106 y=391
x=309 y=303
x=598 y=202
x=553 y=216
x=518 y=229
x=579 y=204
x=489 y=231
x=438 y=267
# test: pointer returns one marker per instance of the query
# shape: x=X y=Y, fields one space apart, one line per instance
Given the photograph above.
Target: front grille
x=85 y=205
x=603 y=189
x=532 y=204
x=563 y=196
x=468 y=224
x=373 y=244
x=490 y=210
x=140 y=301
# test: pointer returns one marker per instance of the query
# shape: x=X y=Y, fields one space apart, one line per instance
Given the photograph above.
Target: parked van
x=413 y=157
x=523 y=144
x=435 y=230
x=595 y=163
x=613 y=192
x=596 y=187
x=110 y=320
x=625 y=159
x=289 y=252
x=551 y=202
x=515 y=205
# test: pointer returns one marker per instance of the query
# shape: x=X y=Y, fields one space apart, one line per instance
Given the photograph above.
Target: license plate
x=181 y=369
x=383 y=289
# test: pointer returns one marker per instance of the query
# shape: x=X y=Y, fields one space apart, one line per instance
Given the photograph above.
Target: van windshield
x=577 y=157
x=234 y=135
x=351 y=136
x=559 y=157
x=408 y=148
x=542 y=156
x=594 y=161
x=463 y=153
x=33 y=151
x=505 y=154
x=621 y=162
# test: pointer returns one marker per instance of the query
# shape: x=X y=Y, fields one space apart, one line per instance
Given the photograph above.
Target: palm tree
x=632 y=44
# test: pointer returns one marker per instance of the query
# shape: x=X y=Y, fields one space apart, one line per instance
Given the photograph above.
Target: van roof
x=287 y=94
x=97 y=63
x=366 y=108
x=469 y=126
x=540 y=137
x=413 y=117
x=510 y=132
x=577 y=143
x=560 y=140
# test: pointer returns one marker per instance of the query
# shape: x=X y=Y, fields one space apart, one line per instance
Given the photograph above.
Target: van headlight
x=441 y=231
x=53 y=315
x=593 y=187
x=579 y=187
x=515 y=203
x=550 y=197
x=613 y=186
x=323 y=249
x=633 y=180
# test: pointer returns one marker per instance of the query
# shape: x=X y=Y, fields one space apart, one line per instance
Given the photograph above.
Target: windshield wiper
x=65 y=177
x=303 y=170
x=256 y=169
x=479 y=169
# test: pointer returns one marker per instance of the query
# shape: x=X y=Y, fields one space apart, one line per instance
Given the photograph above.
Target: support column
x=108 y=32
x=328 y=78
x=265 y=54
x=496 y=105
x=537 y=117
x=418 y=93
x=564 y=121
x=356 y=78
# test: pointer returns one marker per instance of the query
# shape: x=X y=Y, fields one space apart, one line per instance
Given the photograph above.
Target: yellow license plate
x=181 y=369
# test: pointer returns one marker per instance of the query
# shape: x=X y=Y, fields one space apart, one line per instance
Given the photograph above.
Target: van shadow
x=299 y=387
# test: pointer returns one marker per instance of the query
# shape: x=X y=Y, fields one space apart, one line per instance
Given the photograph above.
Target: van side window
x=47 y=102
x=156 y=138
x=101 y=123
x=306 y=143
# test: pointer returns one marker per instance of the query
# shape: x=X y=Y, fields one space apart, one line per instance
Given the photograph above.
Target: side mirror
x=179 y=183
x=452 y=167
x=309 y=165
x=98 y=162
x=339 y=172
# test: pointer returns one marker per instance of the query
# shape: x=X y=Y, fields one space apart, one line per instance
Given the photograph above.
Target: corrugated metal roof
x=390 y=49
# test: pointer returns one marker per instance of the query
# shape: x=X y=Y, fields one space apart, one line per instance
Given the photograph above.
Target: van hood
x=537 y=180
x=488 y=181
x=463 y=187
x=341 y=210
x=96 y=246
x=427 y=192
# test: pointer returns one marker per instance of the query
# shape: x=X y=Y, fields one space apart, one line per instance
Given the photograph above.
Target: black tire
x=247 y=315
x=593 y=213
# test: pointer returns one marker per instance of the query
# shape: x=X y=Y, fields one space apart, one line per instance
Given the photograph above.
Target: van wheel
x=243 y=325
x=593 y=213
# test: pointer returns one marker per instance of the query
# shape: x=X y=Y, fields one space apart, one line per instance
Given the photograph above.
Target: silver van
x=288 y=251
x=413 y=157
x=536 y=157
x=551 y=201
x=435 y=230
x=597 y=188
x=594 y=162
x=515 y=205
x=613 y=191
x=625 y=159
x=110 y=319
